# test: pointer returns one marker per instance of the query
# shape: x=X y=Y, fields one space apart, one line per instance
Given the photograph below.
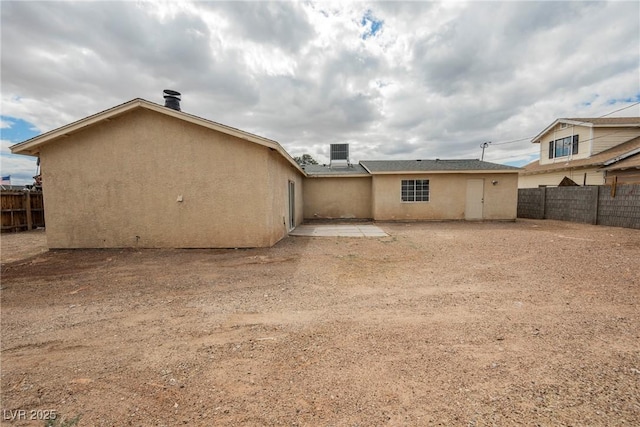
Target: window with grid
x=415 y=190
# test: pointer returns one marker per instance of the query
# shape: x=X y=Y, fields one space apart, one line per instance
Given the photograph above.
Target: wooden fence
x=22 y=210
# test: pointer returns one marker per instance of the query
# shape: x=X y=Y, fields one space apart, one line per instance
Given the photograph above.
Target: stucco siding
x=552 y=179
x=447 y=197
x=501 y=198
x=337 y=197
x=144 y=179
x=280 y=174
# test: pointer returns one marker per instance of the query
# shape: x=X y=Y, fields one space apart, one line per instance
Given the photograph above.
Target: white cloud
x=435 y=80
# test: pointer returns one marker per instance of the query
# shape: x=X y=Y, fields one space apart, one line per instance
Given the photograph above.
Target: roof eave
x=448 y=171
x=345 y=175
x=536 y=139
x=32 y=146
x=563 y=168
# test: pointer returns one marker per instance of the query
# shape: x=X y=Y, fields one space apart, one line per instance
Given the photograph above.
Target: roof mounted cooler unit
x=339 y=155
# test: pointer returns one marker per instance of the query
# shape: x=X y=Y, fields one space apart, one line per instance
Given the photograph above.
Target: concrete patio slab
x=338 y=230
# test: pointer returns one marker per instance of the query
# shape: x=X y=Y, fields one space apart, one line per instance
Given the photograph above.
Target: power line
x=584 y=140
x=515 y=155
x=599 y=117
x=624 y=108
x=512 y=141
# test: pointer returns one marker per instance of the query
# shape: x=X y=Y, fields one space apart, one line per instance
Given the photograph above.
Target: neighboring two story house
x=582 y=150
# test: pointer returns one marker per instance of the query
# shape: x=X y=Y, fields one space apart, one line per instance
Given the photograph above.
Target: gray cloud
x=436 y=81
x=280 y=24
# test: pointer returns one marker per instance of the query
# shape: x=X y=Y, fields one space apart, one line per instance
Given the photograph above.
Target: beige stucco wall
x=280 y=173
x=117 y=184
x=594 y=177
x=337 y=197
x=447 y=197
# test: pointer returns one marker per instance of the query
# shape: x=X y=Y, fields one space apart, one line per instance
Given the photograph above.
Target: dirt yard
x=526 y=323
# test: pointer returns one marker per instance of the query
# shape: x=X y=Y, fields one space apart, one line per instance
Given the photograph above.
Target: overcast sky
x=395 y=80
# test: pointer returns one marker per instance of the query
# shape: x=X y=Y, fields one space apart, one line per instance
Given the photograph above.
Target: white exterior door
x=475 y=199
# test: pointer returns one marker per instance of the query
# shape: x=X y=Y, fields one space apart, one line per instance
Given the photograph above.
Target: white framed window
x=415 y=190
x=563 y=147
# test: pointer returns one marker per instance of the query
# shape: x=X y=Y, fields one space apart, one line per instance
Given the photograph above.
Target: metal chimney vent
x=172 y=99
x=339 y=155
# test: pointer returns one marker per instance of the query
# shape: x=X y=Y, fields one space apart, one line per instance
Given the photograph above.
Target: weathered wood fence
x=22 y=210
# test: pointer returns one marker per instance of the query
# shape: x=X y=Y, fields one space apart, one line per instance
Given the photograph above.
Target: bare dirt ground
x=526 y=323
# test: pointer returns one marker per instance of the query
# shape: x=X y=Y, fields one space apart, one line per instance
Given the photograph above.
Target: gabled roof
x=434 y=166
x=31 y=147
x=607 y=157
x=318 y=171
x=591 y=122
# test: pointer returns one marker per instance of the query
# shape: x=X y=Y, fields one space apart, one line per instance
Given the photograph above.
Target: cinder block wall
x=531 y=203
x=591 y=204
x=623 y=210
x=576 y=204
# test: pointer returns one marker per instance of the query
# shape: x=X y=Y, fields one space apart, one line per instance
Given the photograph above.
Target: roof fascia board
x=27 y=147
x=621 y=157
x=536 y=139
x=617 y=125
x=591 y=125
x=450 y=171
x=211 y=125
x=224 y=129
x=576 y=123
x=353 y=175
x=564 y=168
x=365 y=167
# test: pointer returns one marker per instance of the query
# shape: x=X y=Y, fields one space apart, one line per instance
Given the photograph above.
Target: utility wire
x=624 y=108
x=599 y=117
x=512 y=141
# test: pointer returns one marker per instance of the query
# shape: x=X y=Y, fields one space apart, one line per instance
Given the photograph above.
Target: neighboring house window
x=563 y=147
x=415 y=190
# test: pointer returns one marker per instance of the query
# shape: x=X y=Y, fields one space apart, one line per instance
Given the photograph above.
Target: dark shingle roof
x=432 y=165
x=315 y=170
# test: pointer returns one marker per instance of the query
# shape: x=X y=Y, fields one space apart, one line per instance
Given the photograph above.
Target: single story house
x=401 y=190
x=146 y=175
x=580 y=149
